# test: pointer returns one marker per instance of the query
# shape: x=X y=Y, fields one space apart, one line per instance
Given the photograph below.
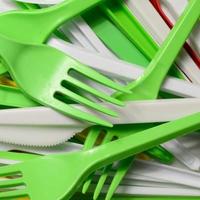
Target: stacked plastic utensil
x=99 y=99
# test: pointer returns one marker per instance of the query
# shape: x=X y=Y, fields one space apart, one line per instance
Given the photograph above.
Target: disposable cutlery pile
x=99 y=99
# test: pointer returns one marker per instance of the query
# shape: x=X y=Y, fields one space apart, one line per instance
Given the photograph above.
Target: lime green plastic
x=124 y=48
x=39 y=24
x=30 y=6
x=13 y=97
x=119 y=131
x=40 y=173
x=154 y=198
x=121 y=16
x=35 y=26
x=165 y=156
x=125 y=21
x=52 y=67
x=132 y=197
x=147 y=87
x=117 y=41
x=18 y=157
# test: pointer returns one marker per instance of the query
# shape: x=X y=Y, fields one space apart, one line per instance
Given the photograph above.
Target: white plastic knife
x=45 y=127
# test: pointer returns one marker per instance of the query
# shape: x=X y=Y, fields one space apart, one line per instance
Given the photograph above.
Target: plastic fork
x=75 y=82
x=107 y=135
x=88 y=38
x=121 y=44
x=40 y=173
x=147 y=87
x=141 y=171
x=191 y=52
x=54 y=90
x=50 y=19
x=159 y=31
x=41 y=23
x=13 y=97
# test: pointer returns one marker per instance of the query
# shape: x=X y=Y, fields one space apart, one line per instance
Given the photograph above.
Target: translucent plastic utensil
x=34 y=175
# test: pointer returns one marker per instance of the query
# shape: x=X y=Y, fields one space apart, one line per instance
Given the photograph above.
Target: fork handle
x=58 y=14
x=160 y=65
x=155 y=74
x=141 y=141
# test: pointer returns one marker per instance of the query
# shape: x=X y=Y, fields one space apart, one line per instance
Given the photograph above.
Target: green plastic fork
x=39 y=24
x=158 y=153
x=147 y=87
x=13 y=97
x=120 y=15
x=117 y=132
x=39 y=173
x=119 y=43
x=53 y=86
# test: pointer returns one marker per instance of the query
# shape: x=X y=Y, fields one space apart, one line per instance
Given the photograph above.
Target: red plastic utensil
x=191 y=52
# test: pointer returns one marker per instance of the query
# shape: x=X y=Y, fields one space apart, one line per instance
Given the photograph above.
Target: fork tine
x=13 y=194
x=89 y=143
x=11 y=182
x=91 y=138
x=119 y=175
x=101 y=181
x=93 y=91
x=105 y=171
x=74 y=112
x=86 y=102
x=93 y=135
x=87 y=183
x=96 y=76
x=9 y=170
